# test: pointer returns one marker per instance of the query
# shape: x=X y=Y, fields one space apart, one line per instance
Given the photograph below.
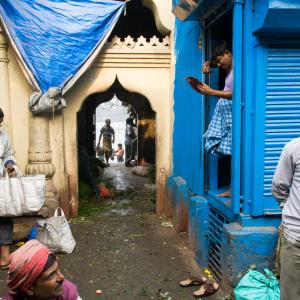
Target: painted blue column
x=198 y=229
x=181 y=204
x=245 y=246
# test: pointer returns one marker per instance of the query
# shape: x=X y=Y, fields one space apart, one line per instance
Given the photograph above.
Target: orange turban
x=26 y=265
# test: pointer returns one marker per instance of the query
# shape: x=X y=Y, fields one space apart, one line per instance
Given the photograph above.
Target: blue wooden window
x=277 y=118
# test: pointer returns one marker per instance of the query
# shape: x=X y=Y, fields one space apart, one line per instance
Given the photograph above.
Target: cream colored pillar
x=40 y=159
x=4 y=85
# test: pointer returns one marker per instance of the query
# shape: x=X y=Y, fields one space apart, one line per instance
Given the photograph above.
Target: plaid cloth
x=218 y=137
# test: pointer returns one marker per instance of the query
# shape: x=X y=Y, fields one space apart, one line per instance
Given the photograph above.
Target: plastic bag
x=55 y=233
x=21 y=195
x=256 y=286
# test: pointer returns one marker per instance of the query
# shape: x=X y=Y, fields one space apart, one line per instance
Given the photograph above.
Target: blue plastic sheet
x=54 y=38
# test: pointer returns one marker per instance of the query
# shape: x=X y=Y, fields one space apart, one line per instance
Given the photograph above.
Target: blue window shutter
x=281 y=121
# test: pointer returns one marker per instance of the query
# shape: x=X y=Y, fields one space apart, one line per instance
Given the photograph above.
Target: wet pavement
x=125 y=251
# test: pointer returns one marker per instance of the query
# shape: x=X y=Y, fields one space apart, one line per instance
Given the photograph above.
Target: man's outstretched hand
x=206 y=67
x=205 y=89
x=201 y=88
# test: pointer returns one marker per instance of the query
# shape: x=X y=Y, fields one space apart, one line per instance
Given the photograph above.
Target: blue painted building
x=230 y=234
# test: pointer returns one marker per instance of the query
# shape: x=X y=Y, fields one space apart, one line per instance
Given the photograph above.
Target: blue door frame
x=233 y=206
x=237 y=105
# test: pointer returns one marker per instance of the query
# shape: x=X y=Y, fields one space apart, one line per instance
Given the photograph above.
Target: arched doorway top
x=146 y=117
x=124 y=95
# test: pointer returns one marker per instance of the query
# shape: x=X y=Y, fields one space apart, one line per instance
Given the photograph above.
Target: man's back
x=286 y=189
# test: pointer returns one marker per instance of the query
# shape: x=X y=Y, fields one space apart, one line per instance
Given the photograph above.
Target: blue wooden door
x=277 y=118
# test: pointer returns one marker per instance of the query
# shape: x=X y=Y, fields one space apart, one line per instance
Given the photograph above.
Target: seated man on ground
x=85 y=170
x=34 y=275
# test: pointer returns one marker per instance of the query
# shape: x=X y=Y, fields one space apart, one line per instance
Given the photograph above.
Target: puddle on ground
x=120 y=212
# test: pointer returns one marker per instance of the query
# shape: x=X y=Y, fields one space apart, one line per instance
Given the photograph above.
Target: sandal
x=206 y=289
x=192 y=281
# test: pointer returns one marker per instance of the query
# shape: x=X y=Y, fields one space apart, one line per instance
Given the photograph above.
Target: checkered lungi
x=107 y=146
x=218 y=137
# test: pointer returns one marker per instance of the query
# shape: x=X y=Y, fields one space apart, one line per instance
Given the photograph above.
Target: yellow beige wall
x=154 y=83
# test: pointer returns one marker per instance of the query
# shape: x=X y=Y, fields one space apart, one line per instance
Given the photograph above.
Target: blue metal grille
x=216 y=222
x=282 y=107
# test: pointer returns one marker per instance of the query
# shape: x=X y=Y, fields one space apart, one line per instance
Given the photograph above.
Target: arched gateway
x=138 y=70
x=86 y=127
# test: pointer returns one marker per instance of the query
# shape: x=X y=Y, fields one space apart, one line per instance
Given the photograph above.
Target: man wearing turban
x=34 y=274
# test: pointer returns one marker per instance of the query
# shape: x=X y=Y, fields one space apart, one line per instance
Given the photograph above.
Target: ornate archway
x=146 y=120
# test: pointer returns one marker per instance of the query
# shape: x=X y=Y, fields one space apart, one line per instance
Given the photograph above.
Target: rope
x=125 y=9
x=53 y=109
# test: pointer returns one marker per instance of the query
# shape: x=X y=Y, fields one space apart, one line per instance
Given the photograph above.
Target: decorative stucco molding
x=154 y=44
x=135 y=53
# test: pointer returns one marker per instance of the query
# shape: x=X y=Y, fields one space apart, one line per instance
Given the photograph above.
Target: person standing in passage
x=286 y=189
x=108 y=134
x=131 y=120
x=7 y=162
x=130 y=136
x=218 y=137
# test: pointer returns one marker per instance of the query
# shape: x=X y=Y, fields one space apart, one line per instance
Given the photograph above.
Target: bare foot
x=226 y=194
x=4 y=260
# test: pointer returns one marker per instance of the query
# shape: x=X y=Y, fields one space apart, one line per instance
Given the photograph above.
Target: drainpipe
x=161 y=192
x=4 y=85
x=237 y=100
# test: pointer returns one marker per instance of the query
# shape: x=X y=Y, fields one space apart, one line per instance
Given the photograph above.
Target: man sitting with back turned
x=34 y=275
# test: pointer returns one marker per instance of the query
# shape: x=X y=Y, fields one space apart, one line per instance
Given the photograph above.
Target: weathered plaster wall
x=18 y=127
x=135 y=75
x=155 y=83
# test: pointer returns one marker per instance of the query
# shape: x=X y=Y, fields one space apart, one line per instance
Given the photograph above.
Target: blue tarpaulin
x=56 y=40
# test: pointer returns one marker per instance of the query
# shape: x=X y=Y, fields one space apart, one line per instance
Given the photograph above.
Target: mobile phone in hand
x=193 y=81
